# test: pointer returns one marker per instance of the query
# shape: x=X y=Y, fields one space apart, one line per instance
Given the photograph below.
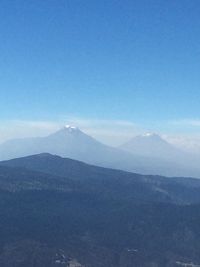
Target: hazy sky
x=135 y=62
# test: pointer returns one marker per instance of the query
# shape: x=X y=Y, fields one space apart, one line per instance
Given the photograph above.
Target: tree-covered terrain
x=102 y=217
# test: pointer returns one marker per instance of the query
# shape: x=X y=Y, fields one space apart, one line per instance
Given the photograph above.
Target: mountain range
x=54 y=209
x=175 y=190
x=147 y=154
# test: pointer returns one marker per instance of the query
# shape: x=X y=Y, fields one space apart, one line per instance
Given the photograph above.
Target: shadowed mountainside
x=101 y=217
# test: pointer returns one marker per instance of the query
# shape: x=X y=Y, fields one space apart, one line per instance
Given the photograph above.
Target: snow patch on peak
x=149 y=134
x=70 y=128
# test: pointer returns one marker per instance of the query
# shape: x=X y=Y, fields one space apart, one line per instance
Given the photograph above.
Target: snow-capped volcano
x=151 y=144
x=69 y=141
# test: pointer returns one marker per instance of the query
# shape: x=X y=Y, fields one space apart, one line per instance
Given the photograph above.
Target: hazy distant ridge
x=148 y=154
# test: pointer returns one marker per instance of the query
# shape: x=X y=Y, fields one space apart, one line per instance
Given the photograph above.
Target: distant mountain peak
x=65 y=132
x=71 y=128
x=68 y=129
x=153 y=137
x=146 y=140
x=148 y=134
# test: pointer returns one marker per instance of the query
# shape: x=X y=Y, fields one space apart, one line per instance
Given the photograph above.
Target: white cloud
x=187 y=142
x=186 y=122
x=21 y=128
x=184 y=133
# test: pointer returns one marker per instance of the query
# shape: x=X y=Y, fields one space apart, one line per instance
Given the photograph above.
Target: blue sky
x=134 y=61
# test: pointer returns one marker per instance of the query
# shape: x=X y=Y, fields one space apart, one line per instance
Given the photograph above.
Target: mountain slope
x=177 y=190
x=101 y=217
